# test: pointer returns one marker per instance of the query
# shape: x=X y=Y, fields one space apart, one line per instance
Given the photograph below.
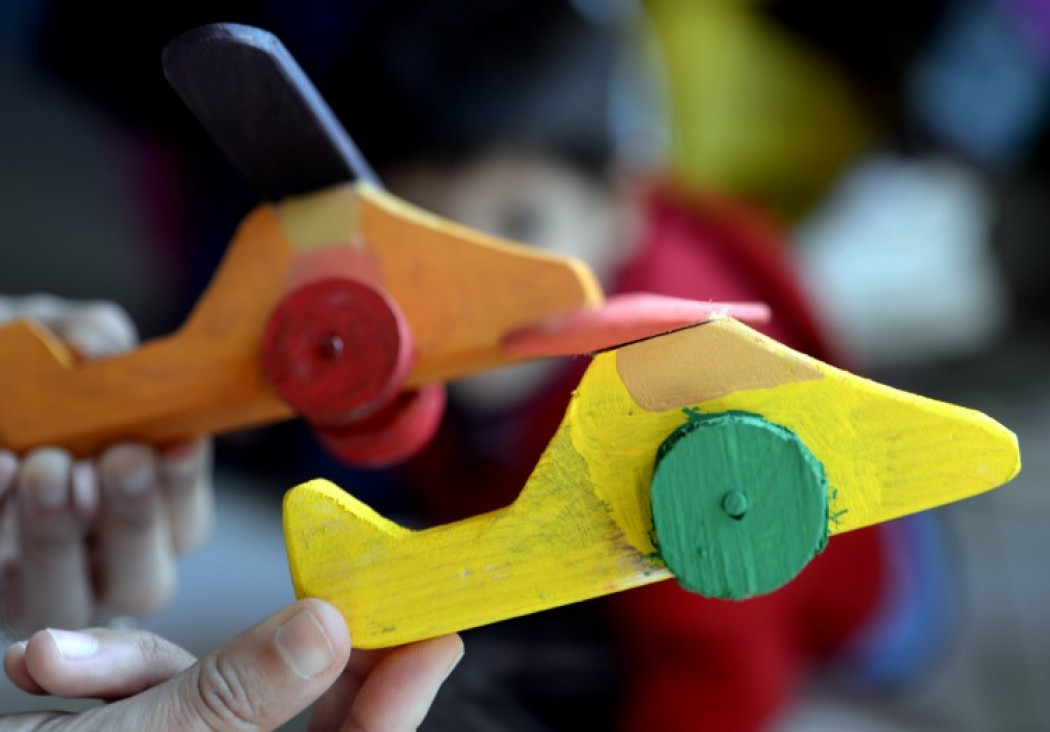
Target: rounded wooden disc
x=395 y=433
x=739 y=505
x=336 y=349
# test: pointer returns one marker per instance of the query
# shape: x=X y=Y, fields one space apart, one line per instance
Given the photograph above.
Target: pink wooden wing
x=621 y=319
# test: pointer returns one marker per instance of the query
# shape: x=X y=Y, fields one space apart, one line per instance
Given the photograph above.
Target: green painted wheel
x=740 y=505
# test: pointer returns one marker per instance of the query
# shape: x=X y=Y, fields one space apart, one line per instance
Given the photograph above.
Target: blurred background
x=879 y=172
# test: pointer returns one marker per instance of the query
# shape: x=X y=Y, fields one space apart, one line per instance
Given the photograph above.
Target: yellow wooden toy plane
x=712 y=454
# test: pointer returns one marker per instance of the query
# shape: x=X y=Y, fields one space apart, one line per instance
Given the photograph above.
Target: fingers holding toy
x=390 y=689
x=98 y=539
x=258 y=680
x=136 y=558
x=95 y=663
x=155 y=506
x=47 y=580
x=184 y=473
x=84 y=540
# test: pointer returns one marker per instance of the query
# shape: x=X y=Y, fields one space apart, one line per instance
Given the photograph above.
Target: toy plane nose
x=886 y=453
x=925 y=454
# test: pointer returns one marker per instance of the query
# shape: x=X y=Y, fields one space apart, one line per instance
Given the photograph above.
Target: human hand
x=258 y=680
x=84 y=540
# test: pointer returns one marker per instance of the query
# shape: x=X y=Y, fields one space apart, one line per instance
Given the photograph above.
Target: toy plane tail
x=319 y=517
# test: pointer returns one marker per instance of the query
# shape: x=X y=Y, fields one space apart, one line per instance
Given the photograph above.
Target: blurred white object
x=898 y=261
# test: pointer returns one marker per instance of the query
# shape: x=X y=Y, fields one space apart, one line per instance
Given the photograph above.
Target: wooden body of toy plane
x=460 y=292
x=711 y=454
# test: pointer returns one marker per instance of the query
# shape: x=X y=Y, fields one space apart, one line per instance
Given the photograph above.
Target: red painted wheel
x=394 y=434
x=337 y=350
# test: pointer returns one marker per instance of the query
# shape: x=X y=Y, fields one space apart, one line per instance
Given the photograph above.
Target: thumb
x=257 y=681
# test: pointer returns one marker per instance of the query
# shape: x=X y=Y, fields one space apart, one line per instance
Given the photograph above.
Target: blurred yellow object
x=754 y=111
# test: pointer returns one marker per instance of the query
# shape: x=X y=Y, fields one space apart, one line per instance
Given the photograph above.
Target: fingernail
x=49 y=493
x=135 y=479
x=44 y=479
x=73 y=645
x=180 y=464
x=455 y=662
x=304 y=645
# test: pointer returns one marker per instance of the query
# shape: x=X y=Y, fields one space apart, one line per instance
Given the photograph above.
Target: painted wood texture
x=204 y=378
x=461 y=292
x=337 y=349
x=397 y=431
x=582 y=526
x=231 y=76
x=619 y=320
x=739 y=504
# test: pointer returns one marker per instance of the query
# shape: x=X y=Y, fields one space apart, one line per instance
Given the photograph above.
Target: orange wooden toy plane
x=335 y=300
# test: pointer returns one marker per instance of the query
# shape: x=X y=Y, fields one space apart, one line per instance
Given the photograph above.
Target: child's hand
x=259 y=680
x=80 y=541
